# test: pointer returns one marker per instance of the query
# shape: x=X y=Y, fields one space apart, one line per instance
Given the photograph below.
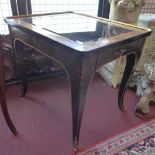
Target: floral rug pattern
x=143 y=147
x=137 y=141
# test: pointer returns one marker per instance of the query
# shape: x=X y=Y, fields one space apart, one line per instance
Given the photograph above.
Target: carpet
x=139 y=140
x=43 y=117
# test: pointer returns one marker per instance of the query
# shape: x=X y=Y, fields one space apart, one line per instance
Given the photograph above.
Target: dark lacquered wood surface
x=80 y=44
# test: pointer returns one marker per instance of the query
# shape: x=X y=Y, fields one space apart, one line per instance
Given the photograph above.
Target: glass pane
x=76 y=27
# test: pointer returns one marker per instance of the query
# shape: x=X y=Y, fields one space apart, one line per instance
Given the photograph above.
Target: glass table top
x=76 y=27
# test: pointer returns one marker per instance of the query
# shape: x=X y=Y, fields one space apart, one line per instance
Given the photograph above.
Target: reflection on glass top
x=76 y=27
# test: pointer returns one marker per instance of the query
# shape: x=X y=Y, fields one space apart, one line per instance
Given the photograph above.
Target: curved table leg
x=79 y=81
x=3 y=96
x=5 y=110
x=78 y=95
x=19 y=48
x=127 y=72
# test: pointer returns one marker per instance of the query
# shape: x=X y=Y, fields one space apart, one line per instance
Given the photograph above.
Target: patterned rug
x=137 y=141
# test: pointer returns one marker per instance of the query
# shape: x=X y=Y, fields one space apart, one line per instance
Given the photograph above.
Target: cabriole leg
x=79 y=84
x=127 y=72
x=3 y=95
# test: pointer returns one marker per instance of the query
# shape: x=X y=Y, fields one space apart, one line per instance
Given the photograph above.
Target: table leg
x=5 y=110
x=127 y=72
x=19 y=49
x=79 y=84
x=3 y=96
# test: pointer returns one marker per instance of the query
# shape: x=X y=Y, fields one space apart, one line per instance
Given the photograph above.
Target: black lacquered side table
x=80 y=44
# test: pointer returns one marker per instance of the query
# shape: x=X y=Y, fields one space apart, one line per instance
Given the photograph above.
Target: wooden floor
x=43 y=117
